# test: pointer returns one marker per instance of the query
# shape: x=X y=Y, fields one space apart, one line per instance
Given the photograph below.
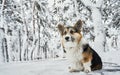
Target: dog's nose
x=67 y=38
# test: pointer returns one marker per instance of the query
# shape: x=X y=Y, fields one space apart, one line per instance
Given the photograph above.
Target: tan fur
x=72 y=41
x=78 y=36
x=61 y=28
x=87 y=56
x=65 y=31
x=62 y=42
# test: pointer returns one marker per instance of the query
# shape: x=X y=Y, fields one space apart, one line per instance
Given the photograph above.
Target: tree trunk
x=6 y=50
x=20 y=45
x=99 y=41
x=2 y=56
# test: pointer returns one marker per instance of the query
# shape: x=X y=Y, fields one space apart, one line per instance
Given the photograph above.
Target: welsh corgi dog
x=79 y=53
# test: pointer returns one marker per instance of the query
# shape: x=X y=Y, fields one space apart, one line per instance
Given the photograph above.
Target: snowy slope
x=52 y=67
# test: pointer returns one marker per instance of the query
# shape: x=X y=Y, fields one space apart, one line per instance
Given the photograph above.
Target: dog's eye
x=71 y=32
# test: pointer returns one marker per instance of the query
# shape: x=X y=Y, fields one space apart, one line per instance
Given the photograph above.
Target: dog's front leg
x=75 y=67
x=87 y=67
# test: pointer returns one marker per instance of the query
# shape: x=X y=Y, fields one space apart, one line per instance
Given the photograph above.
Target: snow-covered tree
x=28 y=27
x=111 y=19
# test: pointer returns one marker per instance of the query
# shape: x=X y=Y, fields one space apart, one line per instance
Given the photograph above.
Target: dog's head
x=71 y=35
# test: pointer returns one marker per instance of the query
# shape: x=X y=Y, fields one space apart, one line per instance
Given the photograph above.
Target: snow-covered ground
x=52 y=67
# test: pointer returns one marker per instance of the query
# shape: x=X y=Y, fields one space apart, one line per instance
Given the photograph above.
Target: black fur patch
x=96 y=60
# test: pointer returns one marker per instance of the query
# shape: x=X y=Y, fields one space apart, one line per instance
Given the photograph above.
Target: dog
x=81 y=56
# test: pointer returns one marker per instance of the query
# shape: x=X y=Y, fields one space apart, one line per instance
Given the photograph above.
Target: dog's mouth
x=70 y=44
x=68 y=41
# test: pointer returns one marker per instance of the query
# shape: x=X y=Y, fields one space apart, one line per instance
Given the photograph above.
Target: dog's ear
x=61 y=28
x=78 y=25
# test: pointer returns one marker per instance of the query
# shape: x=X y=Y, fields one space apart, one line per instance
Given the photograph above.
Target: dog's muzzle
x=68 y=38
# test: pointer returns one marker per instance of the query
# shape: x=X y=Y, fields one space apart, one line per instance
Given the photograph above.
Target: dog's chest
x=74 y=54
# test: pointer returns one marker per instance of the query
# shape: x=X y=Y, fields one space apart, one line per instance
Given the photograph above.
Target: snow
x=52 y=67
x=111 y=56
x=89 y=3
x=52 y=12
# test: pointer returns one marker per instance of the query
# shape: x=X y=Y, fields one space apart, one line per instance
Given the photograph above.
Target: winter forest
x=28 y=28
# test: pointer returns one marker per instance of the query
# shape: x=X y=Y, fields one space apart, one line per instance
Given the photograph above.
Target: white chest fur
x=74 y=54
x=74 y=51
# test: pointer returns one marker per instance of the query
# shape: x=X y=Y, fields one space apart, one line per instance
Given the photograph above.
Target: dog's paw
x=87 y=70
x=73 y=70
x=81 y=69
